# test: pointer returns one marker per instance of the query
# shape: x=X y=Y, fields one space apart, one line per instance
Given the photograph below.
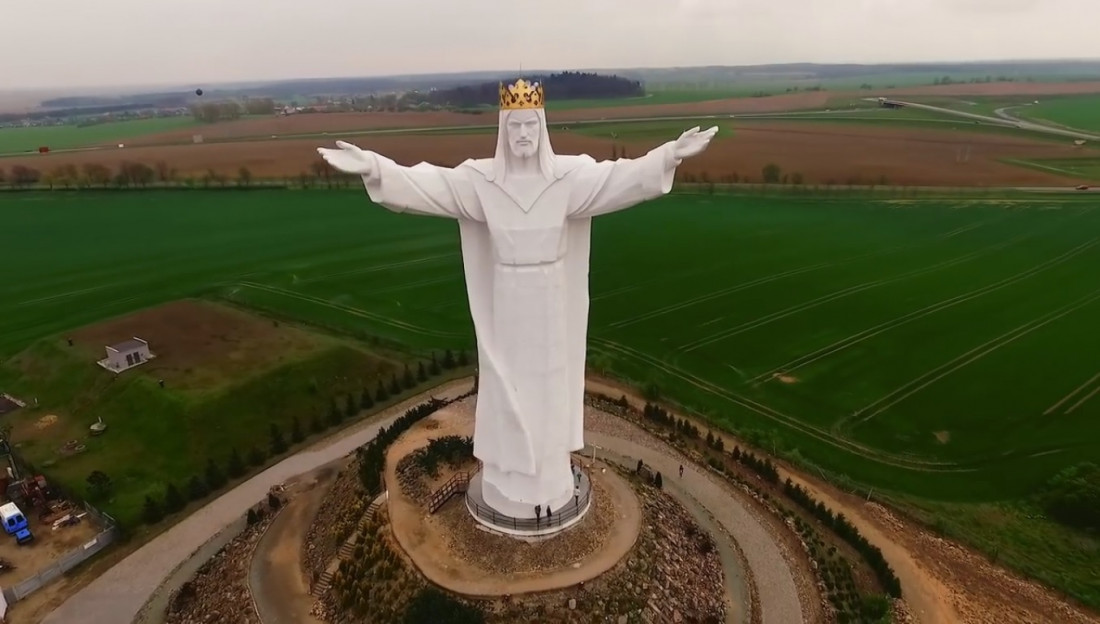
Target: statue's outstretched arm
x=611 y=185
x=424 y=189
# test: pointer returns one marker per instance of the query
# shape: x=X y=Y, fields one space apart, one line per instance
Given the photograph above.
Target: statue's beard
x=525 y=150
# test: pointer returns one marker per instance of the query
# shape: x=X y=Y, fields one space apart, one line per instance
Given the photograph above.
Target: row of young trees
x=216 y=475
x=849 y=533
x=768 y=470
x=130 y=174
x=372 y=456
x=772 y=173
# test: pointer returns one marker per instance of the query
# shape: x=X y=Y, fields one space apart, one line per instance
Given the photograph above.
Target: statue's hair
x=545 y=152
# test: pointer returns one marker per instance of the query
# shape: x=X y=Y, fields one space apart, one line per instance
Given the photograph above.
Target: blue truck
x=15 y=523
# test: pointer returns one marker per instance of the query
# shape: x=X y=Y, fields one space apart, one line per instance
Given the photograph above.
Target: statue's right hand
x=349 y=159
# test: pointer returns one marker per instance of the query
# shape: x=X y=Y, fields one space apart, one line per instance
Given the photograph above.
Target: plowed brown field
x=346 y=122
x=821 y=152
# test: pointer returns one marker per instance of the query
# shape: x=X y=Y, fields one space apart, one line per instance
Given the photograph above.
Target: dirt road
x=275 y=576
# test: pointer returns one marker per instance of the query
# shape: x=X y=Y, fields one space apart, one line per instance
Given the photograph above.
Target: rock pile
x=674 y=574
x=336 y=518
x=687 y=573
x=219 y=592
x=413 y=480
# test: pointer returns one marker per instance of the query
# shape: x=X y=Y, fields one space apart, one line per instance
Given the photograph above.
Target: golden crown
x=522 y=94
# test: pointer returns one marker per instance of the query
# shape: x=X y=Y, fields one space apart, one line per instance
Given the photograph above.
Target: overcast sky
x=75 y=43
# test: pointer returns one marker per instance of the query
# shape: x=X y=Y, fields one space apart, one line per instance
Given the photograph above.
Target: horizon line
x=181 y=85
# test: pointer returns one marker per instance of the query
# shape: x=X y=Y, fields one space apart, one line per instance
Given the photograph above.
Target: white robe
x=525 y=254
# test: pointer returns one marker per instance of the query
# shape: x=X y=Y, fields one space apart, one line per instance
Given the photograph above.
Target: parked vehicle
x=13 y=518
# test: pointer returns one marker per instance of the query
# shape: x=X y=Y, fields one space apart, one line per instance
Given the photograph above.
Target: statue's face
x=523 y=132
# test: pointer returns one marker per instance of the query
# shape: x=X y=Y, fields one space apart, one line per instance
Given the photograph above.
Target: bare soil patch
x=787 y=379
x=48 y=546
x=198 y=344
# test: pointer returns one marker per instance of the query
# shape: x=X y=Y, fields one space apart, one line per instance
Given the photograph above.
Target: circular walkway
x=118 y=595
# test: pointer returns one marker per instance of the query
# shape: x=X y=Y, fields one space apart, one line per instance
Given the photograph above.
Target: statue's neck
x=523 y=166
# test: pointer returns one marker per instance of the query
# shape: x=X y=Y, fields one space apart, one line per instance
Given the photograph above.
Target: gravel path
x=738 y=591
x=118 y=595
x=779 y=596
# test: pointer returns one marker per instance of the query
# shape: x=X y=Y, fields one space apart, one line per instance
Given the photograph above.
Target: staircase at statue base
x=458 y=484
x=346 y=549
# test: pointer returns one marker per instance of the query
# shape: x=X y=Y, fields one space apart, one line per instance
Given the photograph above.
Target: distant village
x=250 y=106
x=212 y=107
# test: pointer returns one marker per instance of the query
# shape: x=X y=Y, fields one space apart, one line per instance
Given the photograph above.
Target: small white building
x=126 y=355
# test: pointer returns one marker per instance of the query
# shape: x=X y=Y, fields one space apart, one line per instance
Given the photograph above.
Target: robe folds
x=525 y=254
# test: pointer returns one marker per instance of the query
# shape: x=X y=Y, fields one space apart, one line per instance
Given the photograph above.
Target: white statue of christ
x=524 y=222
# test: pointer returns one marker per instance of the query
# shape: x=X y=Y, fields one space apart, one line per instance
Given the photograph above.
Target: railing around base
x=549 y=521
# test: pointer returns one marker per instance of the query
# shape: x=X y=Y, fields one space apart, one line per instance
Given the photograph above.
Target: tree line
x=849 y=533
x=227 y=110
x=560 y=86
x=768 y=470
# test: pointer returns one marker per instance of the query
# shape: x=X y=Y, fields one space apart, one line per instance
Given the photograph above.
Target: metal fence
x=529 y=524
x=69 y=560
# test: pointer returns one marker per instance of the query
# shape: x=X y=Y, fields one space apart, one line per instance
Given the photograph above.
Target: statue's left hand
x=350 y=159
x=693 y=142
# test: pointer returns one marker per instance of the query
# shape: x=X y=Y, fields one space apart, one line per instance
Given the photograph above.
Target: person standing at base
x=681 y=471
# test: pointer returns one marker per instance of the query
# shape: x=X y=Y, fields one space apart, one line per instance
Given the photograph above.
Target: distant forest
x=562 y=86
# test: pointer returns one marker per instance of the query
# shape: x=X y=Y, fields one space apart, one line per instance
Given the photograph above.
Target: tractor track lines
x=850 y=341
x=777 y=416
x=375 y=268
x=1084 y=400
x=1073 y=394
x=840 y=294
x=927 y=379
x=385 y=320
x=749 y=284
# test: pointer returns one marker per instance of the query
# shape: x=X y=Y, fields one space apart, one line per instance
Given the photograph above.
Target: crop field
x=825 y=151
x=924 y=345
x=655 y=96
x=1081 y=112
x=66 y=137
x=939 y=349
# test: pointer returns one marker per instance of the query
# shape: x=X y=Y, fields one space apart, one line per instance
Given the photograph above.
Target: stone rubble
x=673 y=574
x=413 y=480
x=219 y=591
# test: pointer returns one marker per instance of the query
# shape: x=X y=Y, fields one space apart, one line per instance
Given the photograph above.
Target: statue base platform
x=462 y=553
x=557 y=520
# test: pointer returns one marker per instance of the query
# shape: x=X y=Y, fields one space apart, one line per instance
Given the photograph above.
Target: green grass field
x=936 y=349
x=1078 y=111
x=1081 y=112
x=66 y=137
